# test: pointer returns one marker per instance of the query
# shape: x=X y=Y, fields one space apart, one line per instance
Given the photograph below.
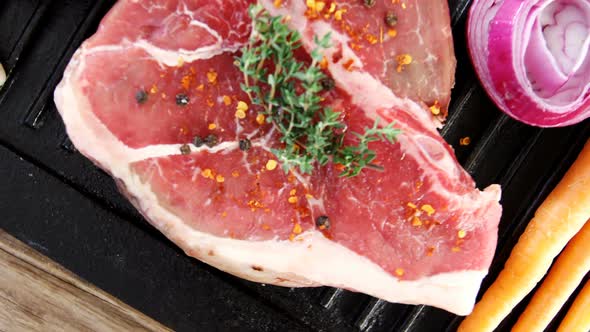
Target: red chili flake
x=348 y=65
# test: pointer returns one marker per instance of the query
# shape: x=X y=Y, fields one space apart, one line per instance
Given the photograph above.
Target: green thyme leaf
x=289 y=96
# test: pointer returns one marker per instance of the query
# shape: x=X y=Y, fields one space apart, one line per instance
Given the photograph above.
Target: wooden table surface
x=36 y=294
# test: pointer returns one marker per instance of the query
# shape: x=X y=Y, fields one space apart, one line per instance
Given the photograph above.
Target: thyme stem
x=310 y=133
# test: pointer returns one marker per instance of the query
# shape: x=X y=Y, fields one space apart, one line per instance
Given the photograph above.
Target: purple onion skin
x=532 y=58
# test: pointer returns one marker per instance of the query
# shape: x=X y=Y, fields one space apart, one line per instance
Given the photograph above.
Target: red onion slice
x=2 y=76
x=532 y=56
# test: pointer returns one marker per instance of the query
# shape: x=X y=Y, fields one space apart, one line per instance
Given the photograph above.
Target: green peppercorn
x=245 y=144
x=141 y=96
x=198 y=141
x=390 y=19
x=185 y=149
x=327 y=84
x=211 y=140
x=322 y=222
x=369 y=3
x=182 y=99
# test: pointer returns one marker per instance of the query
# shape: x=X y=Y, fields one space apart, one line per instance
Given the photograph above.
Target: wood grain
x=37 y=294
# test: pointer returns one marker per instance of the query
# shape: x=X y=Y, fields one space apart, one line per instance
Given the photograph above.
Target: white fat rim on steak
x=313 y=261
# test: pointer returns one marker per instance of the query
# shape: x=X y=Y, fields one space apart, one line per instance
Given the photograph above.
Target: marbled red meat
x=418 y=232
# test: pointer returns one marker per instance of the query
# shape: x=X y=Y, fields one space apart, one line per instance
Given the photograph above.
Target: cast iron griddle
x=59 y=203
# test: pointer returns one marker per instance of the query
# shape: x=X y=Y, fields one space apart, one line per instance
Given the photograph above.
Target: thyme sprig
x=288 y=91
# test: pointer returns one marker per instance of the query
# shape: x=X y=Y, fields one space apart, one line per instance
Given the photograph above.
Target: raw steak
x=160 y=72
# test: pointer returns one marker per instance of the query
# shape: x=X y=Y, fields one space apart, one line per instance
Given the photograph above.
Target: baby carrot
x=556 y=221
x=564 y=277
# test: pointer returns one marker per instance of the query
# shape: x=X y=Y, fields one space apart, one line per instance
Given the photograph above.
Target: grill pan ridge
x=58 y=202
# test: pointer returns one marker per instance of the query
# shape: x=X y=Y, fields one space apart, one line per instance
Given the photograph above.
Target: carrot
x=577 y=318
x=556 y=221
x=564 y=277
